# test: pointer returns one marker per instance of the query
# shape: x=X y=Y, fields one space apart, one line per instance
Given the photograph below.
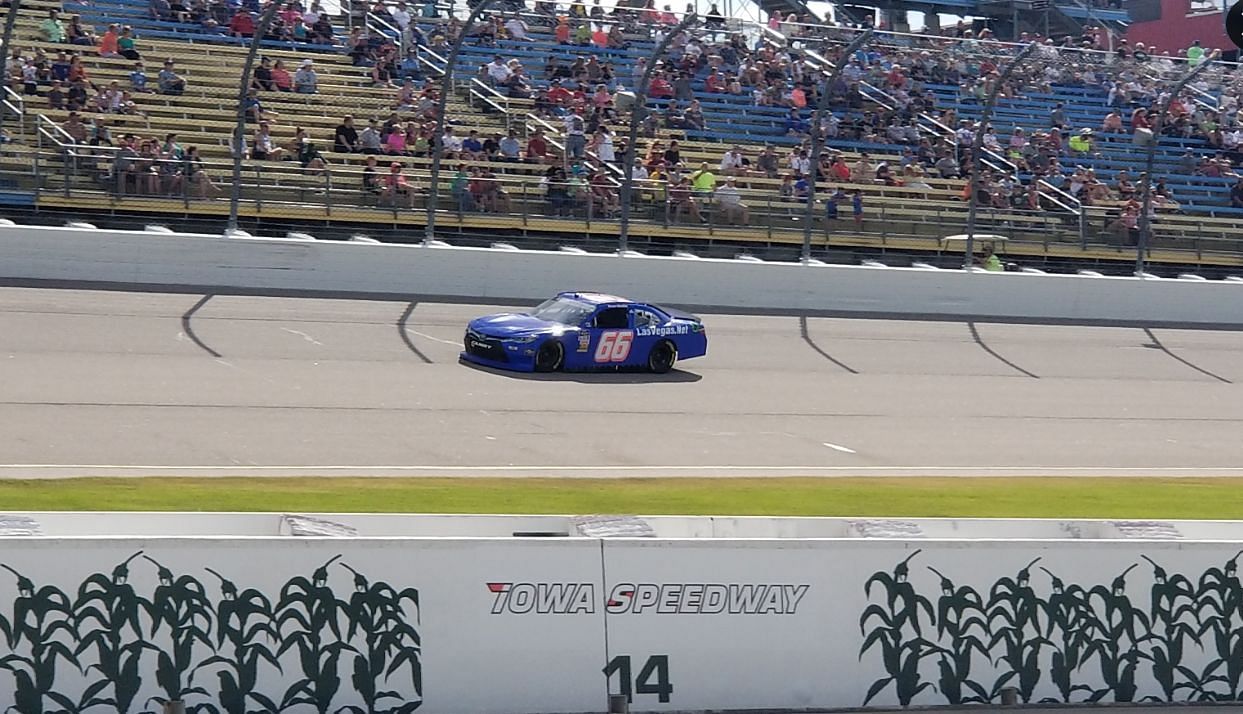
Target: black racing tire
x=550 y=357
x=663 y=357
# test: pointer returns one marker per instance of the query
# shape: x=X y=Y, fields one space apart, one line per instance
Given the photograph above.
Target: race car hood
x=513 y=325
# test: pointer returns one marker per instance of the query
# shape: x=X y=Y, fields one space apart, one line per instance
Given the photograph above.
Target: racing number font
x=656 y=666
x=614 y=346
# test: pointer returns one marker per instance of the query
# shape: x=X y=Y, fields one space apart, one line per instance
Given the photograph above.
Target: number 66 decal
x=614 y=346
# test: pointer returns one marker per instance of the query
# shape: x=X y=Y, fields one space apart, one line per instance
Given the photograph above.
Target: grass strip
x=1051 y=497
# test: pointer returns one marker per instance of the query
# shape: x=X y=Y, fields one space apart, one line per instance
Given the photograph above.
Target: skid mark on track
x=404 y=331
x=1158 y=345
x=975 y=335
x=187 y=326
x=806 y=335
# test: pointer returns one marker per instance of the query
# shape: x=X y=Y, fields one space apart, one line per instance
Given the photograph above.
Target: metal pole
x=977 y=145
x=437 y=143
x=9 y=21
x=817 y=136
x=239 y=131
x=632 y=136
x=1145 y=224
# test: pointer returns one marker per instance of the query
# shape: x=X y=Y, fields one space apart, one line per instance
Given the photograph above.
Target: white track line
x=433 y=339
x=838 y=447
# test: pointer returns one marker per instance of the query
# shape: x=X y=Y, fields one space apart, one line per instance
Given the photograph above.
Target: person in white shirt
x=310 y=17
x=452 y=143
x=729 y=201
x=498 y=70
x=799 y=163
x=517 y=28
x=731 y=162
x=400 y=15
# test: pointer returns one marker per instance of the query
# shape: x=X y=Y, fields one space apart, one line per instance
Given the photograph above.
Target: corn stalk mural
x=1180 y=638
x=346 y=643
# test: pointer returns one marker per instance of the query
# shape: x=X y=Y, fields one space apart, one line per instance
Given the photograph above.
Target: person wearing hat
x=1081 y=143
x=169 y=81
x=305 y=80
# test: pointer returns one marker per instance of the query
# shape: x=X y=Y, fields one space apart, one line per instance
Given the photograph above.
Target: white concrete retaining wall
x=542 y=625
x=481 y=275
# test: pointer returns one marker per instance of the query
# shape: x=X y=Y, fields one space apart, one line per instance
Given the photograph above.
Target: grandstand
x=899 y=117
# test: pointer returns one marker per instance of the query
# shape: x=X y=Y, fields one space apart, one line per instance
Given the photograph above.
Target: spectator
x=108 y=43
x=170 y=82
x=308 y=154
x=575 y=136
x=703 y=181
x=280 y=77
x=732 y=161
x=733 y=210
x=1236 y=194
x=510 y=149
x=263 y=147
x=471 y=147
x=263 y=76
x=537 y=148
x=194 y=174
x=345 y=138
x=856 y=207
x=371 y=140
x=517 y=28
x=242 y=24
x=56 y=96
x=396 y=185
x=371 y=178
x=127 y=44
x=52 y=29
x=681 y=202
x=305 y=80
x=498 y=70
x=602 y=144
x=74 y=127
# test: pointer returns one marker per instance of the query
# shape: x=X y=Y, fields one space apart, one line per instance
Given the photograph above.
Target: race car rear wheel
x=549 y=357
x=662 y=357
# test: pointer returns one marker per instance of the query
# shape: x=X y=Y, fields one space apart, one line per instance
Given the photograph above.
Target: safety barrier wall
x=479 y=274
x=534 y=626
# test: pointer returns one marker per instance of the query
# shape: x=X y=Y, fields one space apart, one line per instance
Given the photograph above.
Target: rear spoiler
x=682 y=315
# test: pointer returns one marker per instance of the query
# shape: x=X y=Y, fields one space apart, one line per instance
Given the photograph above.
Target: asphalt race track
x=110 y=383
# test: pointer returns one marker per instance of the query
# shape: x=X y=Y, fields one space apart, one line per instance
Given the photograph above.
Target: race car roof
x=597 y=298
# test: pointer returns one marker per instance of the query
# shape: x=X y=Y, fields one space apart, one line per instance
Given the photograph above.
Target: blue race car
x=585 y=331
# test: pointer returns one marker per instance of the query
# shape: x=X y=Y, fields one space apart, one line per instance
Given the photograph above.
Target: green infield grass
x=1215 y=498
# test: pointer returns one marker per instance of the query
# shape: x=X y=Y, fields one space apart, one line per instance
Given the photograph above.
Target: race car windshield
x=566 y=312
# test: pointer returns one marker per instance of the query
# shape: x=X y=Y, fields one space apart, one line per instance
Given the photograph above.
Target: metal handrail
x=385 y=28
x=873 y=91
x=1075 y=204
x=17 y=104
x=489 y=95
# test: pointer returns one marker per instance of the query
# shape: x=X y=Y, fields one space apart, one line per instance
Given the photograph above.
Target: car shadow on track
x=614 y=377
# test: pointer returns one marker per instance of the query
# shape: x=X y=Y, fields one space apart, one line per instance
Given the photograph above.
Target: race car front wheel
x=662 y=358
x=549 y=356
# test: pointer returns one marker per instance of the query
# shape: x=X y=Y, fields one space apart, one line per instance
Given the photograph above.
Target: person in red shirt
x=242 y=24
x=660 y=88
x=839 y=169
x=537 y=148
x=558 y=95
x=1139 y=119
x=713 y=83
x=562 y=33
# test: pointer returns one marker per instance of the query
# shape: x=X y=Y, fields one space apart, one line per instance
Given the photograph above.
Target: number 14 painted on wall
x=655 y=665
